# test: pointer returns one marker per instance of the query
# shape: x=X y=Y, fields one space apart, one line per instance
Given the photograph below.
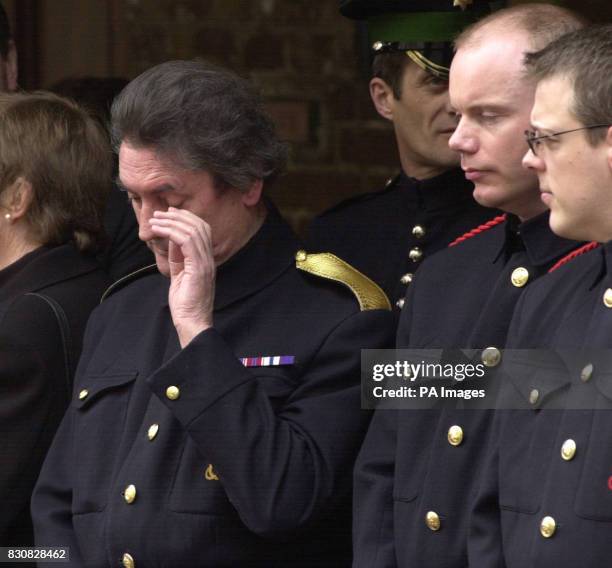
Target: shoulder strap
x=327 y=265
x=62 y=321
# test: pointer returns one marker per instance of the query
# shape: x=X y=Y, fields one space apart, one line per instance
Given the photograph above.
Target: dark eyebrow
x=161 y=188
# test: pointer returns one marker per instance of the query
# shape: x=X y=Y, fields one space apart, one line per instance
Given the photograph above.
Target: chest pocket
x=198 y=484
x=532 y=379
x=594 y=495
x=99 y=418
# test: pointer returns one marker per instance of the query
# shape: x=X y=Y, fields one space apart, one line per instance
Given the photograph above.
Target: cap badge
x=462 y=3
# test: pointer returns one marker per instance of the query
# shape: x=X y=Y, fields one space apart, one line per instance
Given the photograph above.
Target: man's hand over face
x=192 y=270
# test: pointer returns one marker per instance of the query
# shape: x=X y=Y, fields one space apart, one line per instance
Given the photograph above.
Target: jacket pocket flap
x=93 y=386
x=537 y=375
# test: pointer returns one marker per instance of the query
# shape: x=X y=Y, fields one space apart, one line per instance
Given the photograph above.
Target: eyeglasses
x=533 y=141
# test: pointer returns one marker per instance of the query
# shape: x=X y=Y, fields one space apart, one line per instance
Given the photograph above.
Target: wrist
x=187 y=331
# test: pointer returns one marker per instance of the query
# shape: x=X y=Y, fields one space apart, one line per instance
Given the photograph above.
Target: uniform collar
x=437 y=192
x=42 y=268
x=535 y=238
x=268 y=254
x=605 y=254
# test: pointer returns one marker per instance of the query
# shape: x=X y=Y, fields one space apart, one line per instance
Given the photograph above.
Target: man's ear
x=11 y=66
x=252 y=196
x=382 y=97
x=18 y=197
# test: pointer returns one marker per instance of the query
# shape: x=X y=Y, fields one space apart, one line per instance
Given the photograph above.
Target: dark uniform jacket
x=415 y=477
x=33 y=377
x=247 y=463
x=387 y=234
x=546 y=499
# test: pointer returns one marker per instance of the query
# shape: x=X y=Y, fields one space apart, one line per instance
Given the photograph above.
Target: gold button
x=152 y=431
x=548 y=526
x=128 y=561
x=173 y=392
x=534 y=395
x=406 y=279
x=400 y=303
x=129 y=494
x=568 y=450
x=519 y=277
x=607 y=298
x=83 y=394
x=415 y=254
x=377 y=45
x=301 y=256
x=432 y=521
x=418 y=231
x=455 y=435
x=586 y=373
x=491 y=356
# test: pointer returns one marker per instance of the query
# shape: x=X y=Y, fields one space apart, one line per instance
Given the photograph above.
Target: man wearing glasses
x=418 y=470
x=547 y=490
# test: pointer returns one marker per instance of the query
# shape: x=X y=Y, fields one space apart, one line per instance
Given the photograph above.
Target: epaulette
x=327 y=265
x=125 y=280
x=360 y=197
x=572 y=255
x=480 y=229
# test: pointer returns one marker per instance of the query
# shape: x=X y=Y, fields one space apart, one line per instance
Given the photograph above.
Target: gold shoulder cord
x=327 y=265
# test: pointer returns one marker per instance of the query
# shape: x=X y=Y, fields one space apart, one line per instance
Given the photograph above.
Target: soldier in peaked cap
x=429 y=203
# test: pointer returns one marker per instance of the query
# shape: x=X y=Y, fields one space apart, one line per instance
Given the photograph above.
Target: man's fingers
x=187 y=245
x=186 y=222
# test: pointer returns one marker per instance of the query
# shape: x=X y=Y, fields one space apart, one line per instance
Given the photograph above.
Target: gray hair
x=204 y=118
x=585 y=58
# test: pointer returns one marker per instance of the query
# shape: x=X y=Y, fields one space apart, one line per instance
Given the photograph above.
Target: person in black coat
x=216 y=412
x=546 y=498
x=418 y=470
x=386 y=234
x=54 y=170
